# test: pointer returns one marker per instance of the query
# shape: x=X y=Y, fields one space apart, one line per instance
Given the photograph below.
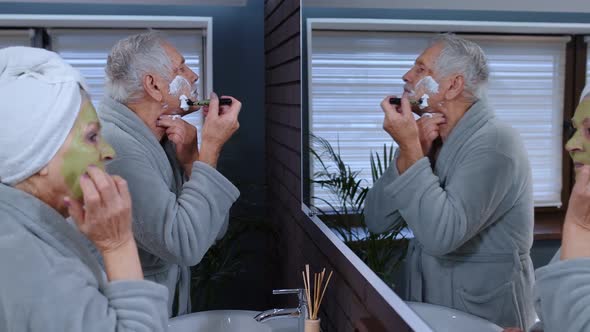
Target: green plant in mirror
x=343 y=210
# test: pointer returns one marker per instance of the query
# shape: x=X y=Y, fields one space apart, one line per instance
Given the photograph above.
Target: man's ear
x=151 y=88
x=456 y=87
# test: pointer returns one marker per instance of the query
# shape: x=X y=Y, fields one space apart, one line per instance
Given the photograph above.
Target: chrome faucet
x=300 y=312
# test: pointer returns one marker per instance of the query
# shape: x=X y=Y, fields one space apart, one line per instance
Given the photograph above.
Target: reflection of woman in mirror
x=562 y=288
x=471 y=212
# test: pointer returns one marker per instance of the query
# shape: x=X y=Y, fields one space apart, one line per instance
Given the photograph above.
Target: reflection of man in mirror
x=470 y=205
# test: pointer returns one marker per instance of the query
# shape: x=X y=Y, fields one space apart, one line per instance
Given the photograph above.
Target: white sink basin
x=229 y=321
x=443 y=319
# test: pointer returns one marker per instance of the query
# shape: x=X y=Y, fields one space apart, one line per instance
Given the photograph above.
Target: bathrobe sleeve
x=380 y=215
x=45 y=292
x=71 y=304
x=562 y=295
x=179 y=229
x=442 y=219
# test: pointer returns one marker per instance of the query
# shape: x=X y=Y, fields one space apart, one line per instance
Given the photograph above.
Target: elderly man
x=180 y=201
x=470 y=206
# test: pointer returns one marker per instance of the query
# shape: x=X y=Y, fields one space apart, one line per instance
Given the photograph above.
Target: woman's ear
x=456 y=87
x=152 y=88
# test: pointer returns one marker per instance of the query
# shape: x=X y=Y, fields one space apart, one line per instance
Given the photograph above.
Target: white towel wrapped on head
x=39 y=102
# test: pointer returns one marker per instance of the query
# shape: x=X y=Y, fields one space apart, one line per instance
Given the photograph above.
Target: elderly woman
x=51 y=167
x=562 y=292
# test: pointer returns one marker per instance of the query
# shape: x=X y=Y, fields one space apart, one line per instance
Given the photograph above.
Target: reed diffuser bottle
x=314 y=297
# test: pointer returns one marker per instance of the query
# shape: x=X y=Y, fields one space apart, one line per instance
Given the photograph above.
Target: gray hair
x=461 y=56
x=130 y=60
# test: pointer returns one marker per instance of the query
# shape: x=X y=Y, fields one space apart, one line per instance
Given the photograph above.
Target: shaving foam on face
x=184 y=102
x=177 y=86
x=424 y=102
x=429 y=85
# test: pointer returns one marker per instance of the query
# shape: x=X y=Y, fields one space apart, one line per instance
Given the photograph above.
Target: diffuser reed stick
x=319 y=289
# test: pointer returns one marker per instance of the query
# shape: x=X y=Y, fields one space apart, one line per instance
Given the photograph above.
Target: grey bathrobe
x=562 y=295
x=175 y=221
x=51 y=282
x=472 y=218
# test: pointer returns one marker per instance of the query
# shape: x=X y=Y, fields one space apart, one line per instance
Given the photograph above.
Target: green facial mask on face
x=581 y=139
x=85 y=149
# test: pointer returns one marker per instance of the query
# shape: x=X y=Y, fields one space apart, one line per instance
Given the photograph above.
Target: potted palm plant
x=343 y=211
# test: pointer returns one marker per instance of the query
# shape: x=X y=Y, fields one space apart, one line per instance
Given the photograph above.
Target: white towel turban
x=39 y=102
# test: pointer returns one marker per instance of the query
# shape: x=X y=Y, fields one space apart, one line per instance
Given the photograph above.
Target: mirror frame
x=353 y=264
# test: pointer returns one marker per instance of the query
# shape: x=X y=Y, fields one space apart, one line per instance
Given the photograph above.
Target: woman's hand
x=105 y=217
x=575 y=242
x=578 y=210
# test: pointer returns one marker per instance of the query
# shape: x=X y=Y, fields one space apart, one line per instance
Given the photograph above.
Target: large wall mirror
x=353 y=58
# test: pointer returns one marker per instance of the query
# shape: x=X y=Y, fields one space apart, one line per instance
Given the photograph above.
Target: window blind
x=351 y=72
x=87 y=50
x=17 y=37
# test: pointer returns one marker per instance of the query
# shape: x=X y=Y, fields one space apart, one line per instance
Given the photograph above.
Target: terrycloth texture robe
x=175 y=221
x=50 y=282
x=562 y=295
x=472 y=218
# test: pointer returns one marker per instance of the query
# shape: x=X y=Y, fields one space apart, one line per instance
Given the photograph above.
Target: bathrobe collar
x=48 y=225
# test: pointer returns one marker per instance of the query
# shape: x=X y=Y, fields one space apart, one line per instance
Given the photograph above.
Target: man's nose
x=407 y=76
x=194 y=77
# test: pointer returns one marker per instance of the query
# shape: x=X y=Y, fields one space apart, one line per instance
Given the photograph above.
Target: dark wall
x=350 y=302
x=543 y=251
x=238 y=61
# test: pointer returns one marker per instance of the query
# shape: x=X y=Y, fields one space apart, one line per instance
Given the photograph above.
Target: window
x=16 y=37
x=90 y=57
x=85 y=41
x=351 y=72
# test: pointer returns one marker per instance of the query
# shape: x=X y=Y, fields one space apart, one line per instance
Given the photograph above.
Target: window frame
x=548 y=220
x=44 y=22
